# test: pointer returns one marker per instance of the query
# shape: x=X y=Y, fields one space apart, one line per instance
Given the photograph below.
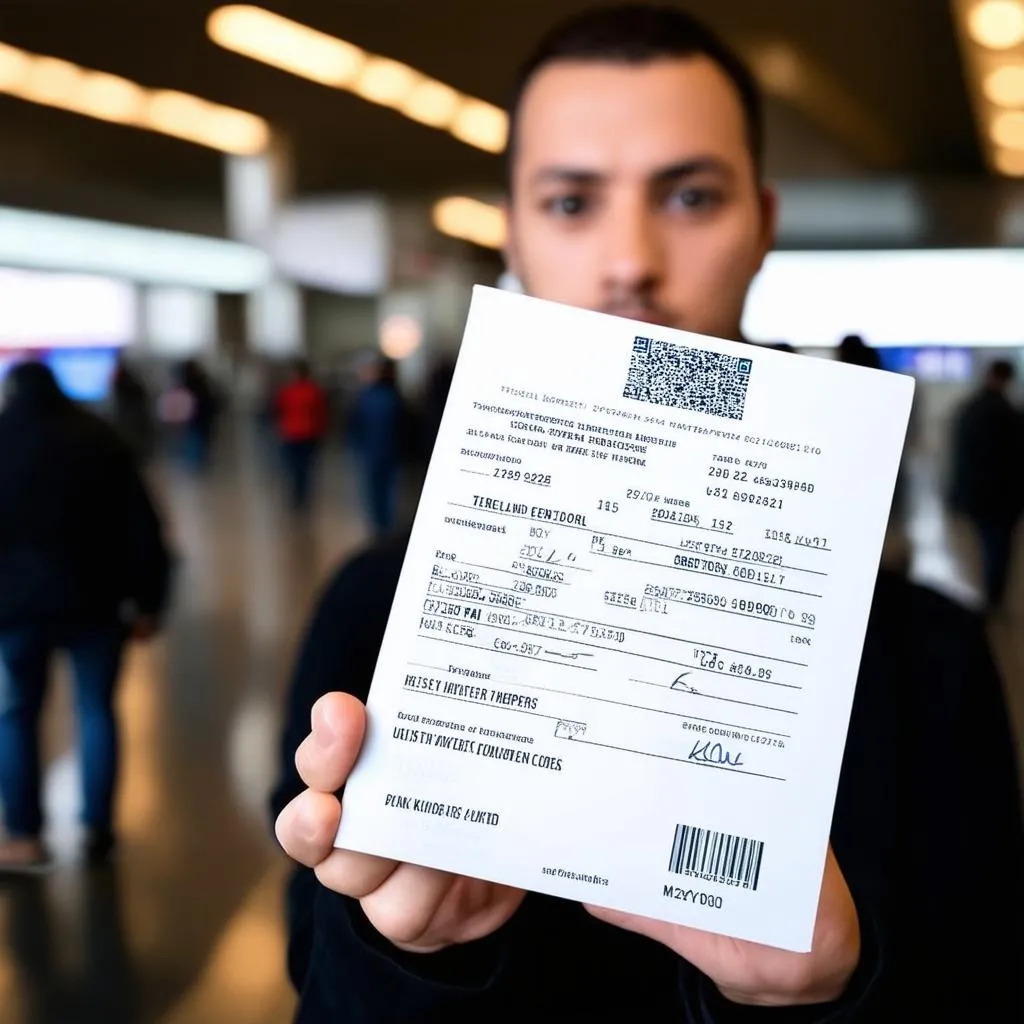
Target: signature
x=685 y=687
x=707 y=753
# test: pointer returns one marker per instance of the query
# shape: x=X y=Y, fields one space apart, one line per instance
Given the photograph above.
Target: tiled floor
x=185 y=929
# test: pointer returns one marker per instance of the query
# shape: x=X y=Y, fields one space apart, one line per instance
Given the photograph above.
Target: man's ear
x=768 y=200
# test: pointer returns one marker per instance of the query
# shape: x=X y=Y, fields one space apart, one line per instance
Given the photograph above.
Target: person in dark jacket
x=988 y=474
x=131 y=412
x=377 y=432
x=83 y=567
x=636 y=189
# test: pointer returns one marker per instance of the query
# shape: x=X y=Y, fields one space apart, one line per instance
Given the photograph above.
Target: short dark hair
x=635 y=34
x=1002 y=370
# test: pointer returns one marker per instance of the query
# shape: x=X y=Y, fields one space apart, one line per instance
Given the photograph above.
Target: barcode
x=688 y=378
x=716 y=857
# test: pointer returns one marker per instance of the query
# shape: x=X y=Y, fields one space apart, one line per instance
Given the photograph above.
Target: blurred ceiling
x=882 y=89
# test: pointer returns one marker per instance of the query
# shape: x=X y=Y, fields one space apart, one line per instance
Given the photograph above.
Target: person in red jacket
x=301 y=410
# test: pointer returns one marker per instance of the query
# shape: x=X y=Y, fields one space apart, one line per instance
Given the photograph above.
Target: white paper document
x=621 y=659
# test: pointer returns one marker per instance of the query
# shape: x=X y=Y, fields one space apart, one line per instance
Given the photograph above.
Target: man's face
x=634 y=193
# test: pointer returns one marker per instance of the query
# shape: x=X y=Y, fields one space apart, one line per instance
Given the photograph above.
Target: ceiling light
x=482 y=125
x=189 y=117
x=285 y=44
x=67 y=86
x=1010 y=162
x=51 y=81
x=386 y=82
x=432 y=103
x=112 y=98
x=14 y=65
x=400 y=336
x=1008 y=130
x=471 y=220
x=322 y=58
x=997 y=24
x=1005 y=86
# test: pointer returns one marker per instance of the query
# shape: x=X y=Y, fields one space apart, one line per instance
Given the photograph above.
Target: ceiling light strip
x=66 y=86
x=296 y=48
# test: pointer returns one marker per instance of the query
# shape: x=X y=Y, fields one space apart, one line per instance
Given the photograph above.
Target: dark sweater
x=79 y=537
x=927 y=830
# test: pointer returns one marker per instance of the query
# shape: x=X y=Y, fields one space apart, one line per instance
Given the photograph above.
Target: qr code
x=688 y=378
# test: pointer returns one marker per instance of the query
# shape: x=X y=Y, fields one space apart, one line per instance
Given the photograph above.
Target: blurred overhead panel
x=992 y=40
x=47 y=241
x=929 y=297
x=59 y=83
x=300 y=50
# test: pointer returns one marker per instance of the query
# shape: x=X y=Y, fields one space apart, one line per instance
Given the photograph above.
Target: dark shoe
x=24 y=857
x=100 y=846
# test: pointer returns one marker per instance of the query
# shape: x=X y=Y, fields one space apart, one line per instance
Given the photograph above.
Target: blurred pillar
x=256 y=189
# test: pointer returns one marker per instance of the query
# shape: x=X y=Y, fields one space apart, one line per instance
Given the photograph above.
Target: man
x=301 y=408
x=636 y=189
x=988 y=475
x=83 y=567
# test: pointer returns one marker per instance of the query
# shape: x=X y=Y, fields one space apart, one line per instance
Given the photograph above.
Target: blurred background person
x=301 y=415
x=131 y=412
x=190 y=409
x=987 y=484
x=377 y=430
x=83 y=567
x=854 y=350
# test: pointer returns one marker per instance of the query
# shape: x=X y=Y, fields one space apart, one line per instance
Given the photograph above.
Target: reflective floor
x=185 y=927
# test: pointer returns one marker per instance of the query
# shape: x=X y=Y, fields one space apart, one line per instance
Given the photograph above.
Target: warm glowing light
x=1010 y=162
x=51 y=81
x=779 y=69
x=14 y=65
x=471 y=220
x=282 y=43
x=59 y=83
x=285 y=44
x=1005 y=86
x=112 y=98
x=432 y=103
x=400 y=336
x=1008 y=130
x=997 y=24
x=482 y=125
x=386 y=82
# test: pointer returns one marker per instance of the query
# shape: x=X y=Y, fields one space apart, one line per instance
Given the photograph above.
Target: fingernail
x=323 y=731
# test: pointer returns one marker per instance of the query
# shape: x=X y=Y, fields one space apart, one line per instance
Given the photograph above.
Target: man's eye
x=694 y=198
x=566 y=206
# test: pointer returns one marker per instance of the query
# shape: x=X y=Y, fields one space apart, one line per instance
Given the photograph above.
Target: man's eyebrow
x=581 y=176
x=691 y=168
x=566 y=176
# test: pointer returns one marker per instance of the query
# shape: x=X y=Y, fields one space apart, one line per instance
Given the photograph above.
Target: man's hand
x=418 y=909
x=746 y=972
x=422 y=910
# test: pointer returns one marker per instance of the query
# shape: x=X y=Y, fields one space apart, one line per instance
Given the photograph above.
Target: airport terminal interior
x=229 y=189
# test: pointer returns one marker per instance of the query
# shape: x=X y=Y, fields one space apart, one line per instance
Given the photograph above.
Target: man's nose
x=633 y=257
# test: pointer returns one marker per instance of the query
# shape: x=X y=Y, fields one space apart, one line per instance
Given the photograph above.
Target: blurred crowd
x=89 y=583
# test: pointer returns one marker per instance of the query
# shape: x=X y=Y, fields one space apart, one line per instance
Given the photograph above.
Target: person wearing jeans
x=83 y=568
x=301 y=407
x=95 y=654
